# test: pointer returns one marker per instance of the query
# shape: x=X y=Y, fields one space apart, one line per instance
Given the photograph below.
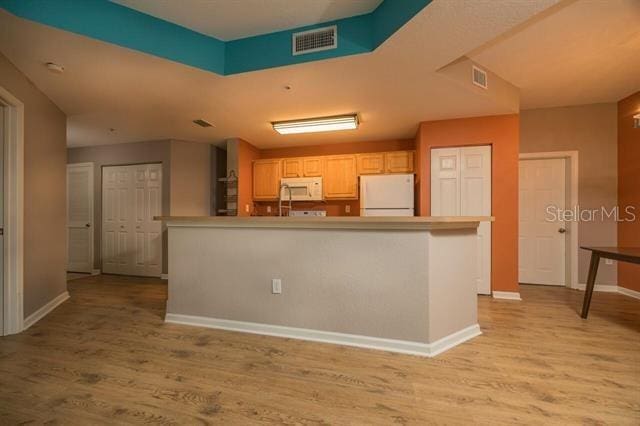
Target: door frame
x=92 y=215
x=571 y=197
x=13 y=285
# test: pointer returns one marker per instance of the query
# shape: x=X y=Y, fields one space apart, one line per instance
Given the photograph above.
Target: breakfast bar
x=402 y=284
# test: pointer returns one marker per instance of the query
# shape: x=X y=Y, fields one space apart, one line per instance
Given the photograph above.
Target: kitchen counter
x=330 y=222
x=401 y=284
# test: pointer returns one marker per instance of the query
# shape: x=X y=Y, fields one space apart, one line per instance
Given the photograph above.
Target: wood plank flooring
x=106 y=357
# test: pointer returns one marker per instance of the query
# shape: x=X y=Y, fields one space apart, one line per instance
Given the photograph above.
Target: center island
x=401 y=284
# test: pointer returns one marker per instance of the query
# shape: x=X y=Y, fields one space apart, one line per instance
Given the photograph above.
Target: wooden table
x=621 y=254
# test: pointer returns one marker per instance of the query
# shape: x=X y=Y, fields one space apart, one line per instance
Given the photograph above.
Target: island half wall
x=399 y=284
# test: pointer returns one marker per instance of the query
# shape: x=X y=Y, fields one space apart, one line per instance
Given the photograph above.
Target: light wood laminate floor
x=106 y=356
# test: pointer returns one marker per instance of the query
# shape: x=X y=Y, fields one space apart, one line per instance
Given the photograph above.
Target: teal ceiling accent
x=120 y=25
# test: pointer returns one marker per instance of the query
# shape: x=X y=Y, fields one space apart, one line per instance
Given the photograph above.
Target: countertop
x=331 y=222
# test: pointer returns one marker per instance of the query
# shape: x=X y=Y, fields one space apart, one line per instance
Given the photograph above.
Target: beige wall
x=119 y=155
x=592 y=131
x=45 y=246
x=190 y=179
x=185 y=178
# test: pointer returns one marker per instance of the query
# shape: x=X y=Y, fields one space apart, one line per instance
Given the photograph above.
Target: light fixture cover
x=321 y=124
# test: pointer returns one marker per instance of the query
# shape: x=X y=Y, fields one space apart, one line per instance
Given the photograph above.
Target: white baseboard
x=164 y=276
x=506 y=295
x=391 y=345
x=606 y=288
x=43 y=311
x=96 y=272
x=628 y=292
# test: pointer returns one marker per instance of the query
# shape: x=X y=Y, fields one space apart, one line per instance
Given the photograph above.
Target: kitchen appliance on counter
x=308 y=213
x=386 y=195
x=302 y=189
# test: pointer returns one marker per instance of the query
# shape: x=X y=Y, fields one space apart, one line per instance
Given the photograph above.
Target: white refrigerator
x=386 y=195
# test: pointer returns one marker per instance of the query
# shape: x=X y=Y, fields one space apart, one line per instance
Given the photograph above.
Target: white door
x=132 y=240
x=461 y=186
x=80 y=217
x=541 y=239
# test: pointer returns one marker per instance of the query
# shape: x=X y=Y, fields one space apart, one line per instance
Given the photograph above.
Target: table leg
x=591 y=282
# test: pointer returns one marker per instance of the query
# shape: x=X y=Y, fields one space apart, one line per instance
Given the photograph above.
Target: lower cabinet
x=266 y=179
x=340 y=177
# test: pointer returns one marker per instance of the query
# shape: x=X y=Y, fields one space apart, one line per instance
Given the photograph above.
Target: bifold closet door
x=461 y=186
x=132 y=240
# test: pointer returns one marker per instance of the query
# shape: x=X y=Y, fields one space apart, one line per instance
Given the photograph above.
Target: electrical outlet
x=347 y=208
x=276 y=286
x=608 y=261
x=268 y=209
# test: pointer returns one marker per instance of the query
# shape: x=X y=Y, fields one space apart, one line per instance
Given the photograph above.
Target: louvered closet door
x=132 y=240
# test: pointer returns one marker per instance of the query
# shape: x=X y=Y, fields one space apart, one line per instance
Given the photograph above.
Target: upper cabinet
x=340 y=177
x=266 y=179
x=398 y=162
x=312 y=166
x=339 y=172
x=371 y=163
x=292 y=167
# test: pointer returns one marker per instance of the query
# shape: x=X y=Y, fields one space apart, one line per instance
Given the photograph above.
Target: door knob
x=562 y=230
x=87 y=225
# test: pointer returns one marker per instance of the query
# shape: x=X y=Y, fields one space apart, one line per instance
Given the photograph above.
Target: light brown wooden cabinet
x=266 y=179
x=398 y=162
x=340 y=177
x=312 y=166
x=292 y=167
x=370 y=163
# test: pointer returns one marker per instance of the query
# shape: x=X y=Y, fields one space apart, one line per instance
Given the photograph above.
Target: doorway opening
x=548 y=245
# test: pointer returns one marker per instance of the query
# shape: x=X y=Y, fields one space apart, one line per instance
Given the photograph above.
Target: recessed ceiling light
x=202 y=123
x=54 y=68
x=320 y=124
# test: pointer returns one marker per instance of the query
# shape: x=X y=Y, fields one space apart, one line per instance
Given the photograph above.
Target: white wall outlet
x=276 y=286
x=246 y=208
x=608 y=261
x=268 y=209
x=347 y=208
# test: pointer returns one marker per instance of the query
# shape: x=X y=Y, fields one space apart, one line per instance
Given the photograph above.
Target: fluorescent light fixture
x=312 y=125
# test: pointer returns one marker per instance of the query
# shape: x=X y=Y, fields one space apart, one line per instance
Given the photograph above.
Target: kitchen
x=337 y=253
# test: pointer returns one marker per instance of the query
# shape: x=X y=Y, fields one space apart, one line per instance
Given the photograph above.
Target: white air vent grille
x=315 y=40
x=479 y=77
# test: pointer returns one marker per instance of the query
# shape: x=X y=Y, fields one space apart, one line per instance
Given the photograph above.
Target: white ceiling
x=234 y=19
x=586 y=52
x=394 y=88
x=144 y=97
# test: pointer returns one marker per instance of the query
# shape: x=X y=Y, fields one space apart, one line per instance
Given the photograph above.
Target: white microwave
x=302 y=189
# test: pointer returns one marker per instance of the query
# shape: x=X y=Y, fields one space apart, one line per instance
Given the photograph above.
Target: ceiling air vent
x=315 y=40
x=479 y=77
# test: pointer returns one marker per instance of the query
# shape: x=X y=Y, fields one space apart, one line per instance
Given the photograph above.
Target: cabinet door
x=399 y=162
x=291 y=167
x=312 y=166
x=266 y=179
x=340 y=177
x=371 y=164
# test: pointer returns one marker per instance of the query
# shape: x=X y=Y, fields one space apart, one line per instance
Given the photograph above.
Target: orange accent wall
x=502 y=132
x=629 y=186
x=246 y=154
x=339 y=148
